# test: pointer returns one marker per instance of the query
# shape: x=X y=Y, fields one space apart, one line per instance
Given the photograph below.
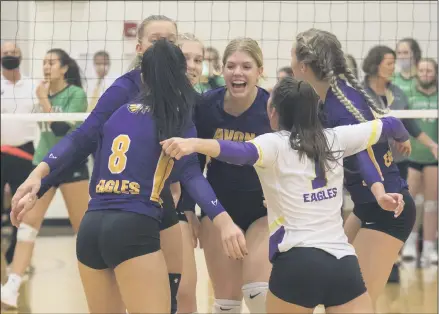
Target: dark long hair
x=374 y=58
x=167 y=90
x=73 y=74
x=297 y=105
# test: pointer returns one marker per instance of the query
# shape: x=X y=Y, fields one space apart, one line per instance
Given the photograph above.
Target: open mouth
x=239 y=85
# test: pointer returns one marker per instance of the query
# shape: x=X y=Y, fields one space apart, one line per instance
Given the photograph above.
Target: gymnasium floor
x=55 y=287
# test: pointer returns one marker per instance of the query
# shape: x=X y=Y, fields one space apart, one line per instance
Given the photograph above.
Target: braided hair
x=323 y=53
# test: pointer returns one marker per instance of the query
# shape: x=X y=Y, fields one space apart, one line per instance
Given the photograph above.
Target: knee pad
x=419 y=200
x=226 y=306
x=174 y=283
x=254 y=295
x=430 y=206
x=26 y=233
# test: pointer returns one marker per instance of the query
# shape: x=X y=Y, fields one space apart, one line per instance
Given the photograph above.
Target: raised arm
x=356 y=138
x=262 y=151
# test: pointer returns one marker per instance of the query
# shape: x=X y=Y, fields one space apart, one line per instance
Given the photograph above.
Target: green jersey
x=419 y=101
x=70 y=99
x=408 y=86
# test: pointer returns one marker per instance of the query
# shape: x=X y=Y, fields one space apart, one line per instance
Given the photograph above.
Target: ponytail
x=167 y=90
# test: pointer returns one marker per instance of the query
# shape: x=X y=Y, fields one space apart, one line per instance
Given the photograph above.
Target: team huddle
x=277 y=163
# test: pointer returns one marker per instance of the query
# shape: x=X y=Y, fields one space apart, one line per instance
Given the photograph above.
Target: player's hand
x=404 y=148
x=392 y=202
x=177 y=147
x=24 y=199
x=194 y=225
x=24 y=205
x=232 y=237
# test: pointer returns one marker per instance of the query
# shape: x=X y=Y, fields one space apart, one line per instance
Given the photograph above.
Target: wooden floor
x=55 y=286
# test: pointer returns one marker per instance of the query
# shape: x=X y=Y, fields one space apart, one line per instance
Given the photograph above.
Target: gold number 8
x=388 y=158
x=118 y=159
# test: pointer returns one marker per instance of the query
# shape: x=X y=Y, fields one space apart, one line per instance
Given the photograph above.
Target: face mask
x=10 y=62
x=206 y=67
x=404 y=64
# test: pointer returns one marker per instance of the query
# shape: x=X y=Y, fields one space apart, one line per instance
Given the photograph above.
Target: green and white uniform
x=70 y=99
x=408 y=86
x=420 y=101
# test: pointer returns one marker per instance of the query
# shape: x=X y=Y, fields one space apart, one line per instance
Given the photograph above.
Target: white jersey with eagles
x=304 y=209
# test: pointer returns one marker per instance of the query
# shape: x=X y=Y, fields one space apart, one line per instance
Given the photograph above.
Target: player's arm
x=261 y=152
x=356 y=138
x=198 y=188
x=368 y=166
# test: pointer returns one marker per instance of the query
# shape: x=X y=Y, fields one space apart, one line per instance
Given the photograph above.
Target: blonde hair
x=135 y=64
x=189 y=37
x=247 y=45
x=322 y=52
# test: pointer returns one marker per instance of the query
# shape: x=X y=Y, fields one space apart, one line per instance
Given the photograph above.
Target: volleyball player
x=317 y=57
x=79 y=144
x=118 y=244
x=193 y=50
x=61 y=91
x=313 y=263
x=236 y=112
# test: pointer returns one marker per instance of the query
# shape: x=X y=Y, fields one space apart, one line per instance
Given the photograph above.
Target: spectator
x=17 y=139
x=281 y=73
x=379 y=67
x=211 y=77
x=423 y=167
x=98 y=85
x=60 y=91
x=408 y=55
x=285 y=71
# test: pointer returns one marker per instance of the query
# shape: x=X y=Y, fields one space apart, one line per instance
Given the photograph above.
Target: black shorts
x=420 y=167
x=308 y=277
x=244 y=207
x=79 y=173
x=403 y=167
x=373 y=217
x=107 y=238
x=170 y=217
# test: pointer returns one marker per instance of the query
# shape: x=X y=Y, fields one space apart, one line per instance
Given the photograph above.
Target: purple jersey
x=367 y=167
x=131 y=169
x=214 y=123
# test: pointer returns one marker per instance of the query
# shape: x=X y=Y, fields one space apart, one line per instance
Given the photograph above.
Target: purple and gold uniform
x=237 y=187
x=367 y=167
x=129 y=174
x=76 y=146
x=131 y=170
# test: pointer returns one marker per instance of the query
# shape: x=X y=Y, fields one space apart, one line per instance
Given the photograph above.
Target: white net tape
x=402 y=114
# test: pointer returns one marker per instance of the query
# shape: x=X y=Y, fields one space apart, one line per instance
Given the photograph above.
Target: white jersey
x=303 y=209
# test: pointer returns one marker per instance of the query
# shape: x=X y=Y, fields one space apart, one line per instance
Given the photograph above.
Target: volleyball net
x=82 y=28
